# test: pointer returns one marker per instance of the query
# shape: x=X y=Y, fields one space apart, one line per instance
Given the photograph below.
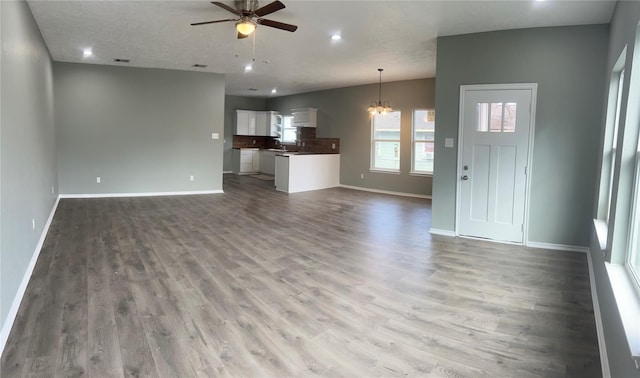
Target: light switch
x=448 y=142
x=215 y=136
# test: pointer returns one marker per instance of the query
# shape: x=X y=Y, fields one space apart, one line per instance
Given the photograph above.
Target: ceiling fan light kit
x=245 y=26
x=379 y=106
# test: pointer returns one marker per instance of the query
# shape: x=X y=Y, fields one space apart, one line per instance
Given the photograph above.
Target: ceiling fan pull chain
x=254 y=47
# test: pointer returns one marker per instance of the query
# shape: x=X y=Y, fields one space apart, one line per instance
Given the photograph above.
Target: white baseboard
x=150 y=194
x=557 y=247
x=15 y=305
x=386 y=192
x=602 y=346
x=436 y=231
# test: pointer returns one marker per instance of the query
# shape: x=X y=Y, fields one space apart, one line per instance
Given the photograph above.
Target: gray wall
x=140 y=130
x=623 y=31
x=568 y=65
x=27 y=148
x=342 y=113
x=231 y=104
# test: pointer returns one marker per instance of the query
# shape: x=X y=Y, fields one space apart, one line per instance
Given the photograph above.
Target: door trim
x=533 y=87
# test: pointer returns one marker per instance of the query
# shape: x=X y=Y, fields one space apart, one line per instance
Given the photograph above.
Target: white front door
x=495 y=126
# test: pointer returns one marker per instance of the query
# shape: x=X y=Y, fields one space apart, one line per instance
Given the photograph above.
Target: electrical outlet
x=191 y=178
x=361 y=175
x=254 y=141
x=215 y=136
x=98 y=180
x=333 y=146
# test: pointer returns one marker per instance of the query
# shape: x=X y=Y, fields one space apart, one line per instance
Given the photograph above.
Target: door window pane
x=482 y=117
x=496 y=117
x=509 y=117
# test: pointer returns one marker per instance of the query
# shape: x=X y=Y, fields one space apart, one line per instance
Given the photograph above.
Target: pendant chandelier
x=378 y=106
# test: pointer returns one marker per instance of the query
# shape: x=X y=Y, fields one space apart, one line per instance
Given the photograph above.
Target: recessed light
x=336 y=37
x=87 y=52
x=248 y=68
x=274 y=90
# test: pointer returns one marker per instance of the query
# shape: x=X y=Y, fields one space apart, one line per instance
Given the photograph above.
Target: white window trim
x=616 y=243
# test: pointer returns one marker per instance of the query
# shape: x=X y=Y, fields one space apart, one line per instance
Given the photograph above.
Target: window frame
x=372 y=146
x=610 y=147
x=634 y=226
x=614 y=143
x=415 y=142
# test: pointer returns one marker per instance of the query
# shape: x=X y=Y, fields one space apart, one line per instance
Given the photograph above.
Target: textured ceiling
x=399 y=36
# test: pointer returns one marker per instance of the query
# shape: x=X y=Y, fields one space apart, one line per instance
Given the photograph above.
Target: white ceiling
x=399 y=36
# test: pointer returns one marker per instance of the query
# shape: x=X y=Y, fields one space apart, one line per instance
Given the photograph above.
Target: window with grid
x=385 y=142
x=423 y=137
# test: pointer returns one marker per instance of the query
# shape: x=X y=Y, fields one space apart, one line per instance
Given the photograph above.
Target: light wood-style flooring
x=257 y=283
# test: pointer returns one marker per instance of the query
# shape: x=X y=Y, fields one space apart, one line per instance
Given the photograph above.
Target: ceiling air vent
x=199 y=66
x=253 y=89
x=121 y=60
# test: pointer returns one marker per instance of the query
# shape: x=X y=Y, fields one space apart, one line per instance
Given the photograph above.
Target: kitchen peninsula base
x=304 y=172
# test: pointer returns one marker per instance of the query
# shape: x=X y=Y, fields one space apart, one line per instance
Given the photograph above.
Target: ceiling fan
x=250 y=16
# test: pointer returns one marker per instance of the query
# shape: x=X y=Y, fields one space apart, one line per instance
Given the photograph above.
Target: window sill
x=628 y=302
x=372 y=170
x=422 y=174
x=625 y=293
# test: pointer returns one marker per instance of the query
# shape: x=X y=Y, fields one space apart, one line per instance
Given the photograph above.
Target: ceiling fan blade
x=242 y=36
x=277 y=25
x=228 y=8
x=212 y=22
x=269 y=8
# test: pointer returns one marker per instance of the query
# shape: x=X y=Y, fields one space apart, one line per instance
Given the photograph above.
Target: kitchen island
x=301 y=172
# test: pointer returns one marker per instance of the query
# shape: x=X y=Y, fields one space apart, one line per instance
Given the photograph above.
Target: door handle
x=465 y=177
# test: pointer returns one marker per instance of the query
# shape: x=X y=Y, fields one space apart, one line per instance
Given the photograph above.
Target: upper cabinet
x=262 y=123
x=245 y=122
x=304 y=117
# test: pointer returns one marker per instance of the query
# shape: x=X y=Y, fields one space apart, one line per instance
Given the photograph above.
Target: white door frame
x=533 y=87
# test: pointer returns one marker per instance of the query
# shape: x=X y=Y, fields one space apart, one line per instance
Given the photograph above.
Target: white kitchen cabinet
x=268 y=162
x=245 y=122
x=245 y=161
x=262 y=123
x=304 y=117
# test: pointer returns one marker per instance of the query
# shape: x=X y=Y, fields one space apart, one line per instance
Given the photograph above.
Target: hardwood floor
x=260 y=283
